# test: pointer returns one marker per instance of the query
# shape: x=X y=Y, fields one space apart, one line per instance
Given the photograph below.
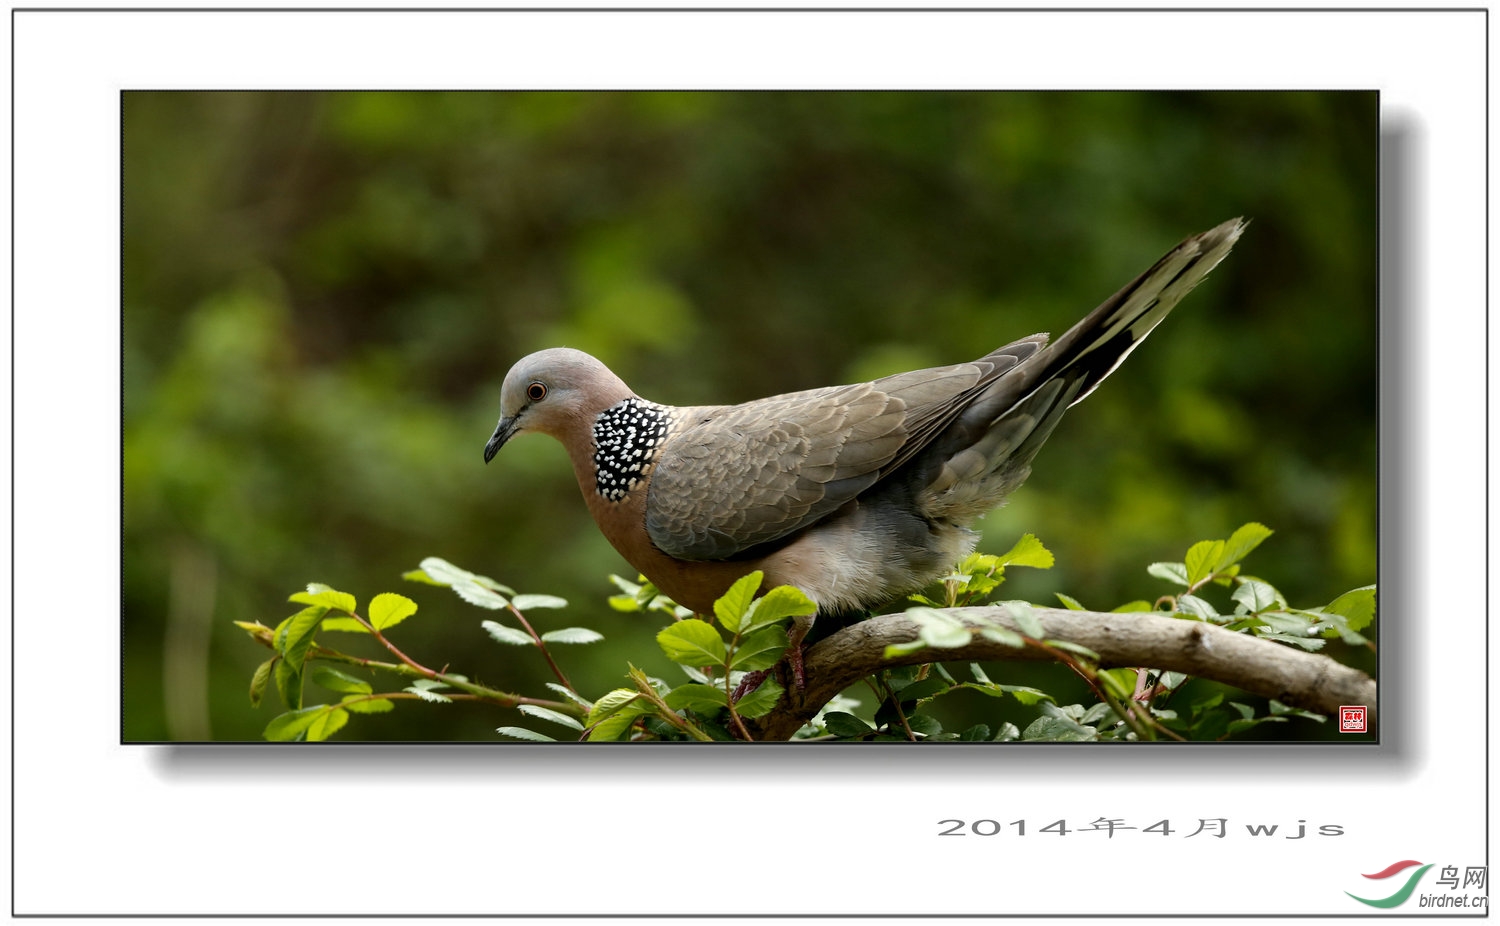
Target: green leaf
x=389 y=609
x=759 y=702
x=343 y=625
x=571 y=695
x=323 y=596
x=572 y=635
x=259 y=680
x=326 y=724
x=1255 y=595
x=508 y=635
x=626 y=603
x=1028 y=551
x=1357 y=607
x=1202 y=557
x=442 y=572
x=1027 y=696
x=417 y=575
x=1172 y=572
x=693 y=643
x=1004 y=636
x=288 y=684
x=1241 y=542
x=1196 y=607
x=425 y=692
x=761 y=650
x=1027 y=620
x=618 y=724
x=704 y=699
x=921 y=690
x=778 y=604
x=610 y=703
x=1131 y=607
x=1072 y=604
x=978 y=733
x=291 y=725
x=521 y=733
x=935 y=628
x=731 y=606
x=1071 y=647
x=839 y=723
x=893 y=650
x=299 y=634
x=531 y=602
x=334 y=680
x=548 y=714
x=360 y=704
x=630 y=588
x=478 y=595
x=924 y=725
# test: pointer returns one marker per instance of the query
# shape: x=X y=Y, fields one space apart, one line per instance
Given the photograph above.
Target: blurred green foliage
x=323 y=291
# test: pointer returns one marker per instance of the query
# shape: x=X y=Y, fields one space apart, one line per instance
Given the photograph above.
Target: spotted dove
x=857 y=494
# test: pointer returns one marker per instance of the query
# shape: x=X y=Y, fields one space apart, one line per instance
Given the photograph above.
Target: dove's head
x=560 y=392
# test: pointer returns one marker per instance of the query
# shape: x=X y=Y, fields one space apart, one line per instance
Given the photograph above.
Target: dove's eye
x=536 y=392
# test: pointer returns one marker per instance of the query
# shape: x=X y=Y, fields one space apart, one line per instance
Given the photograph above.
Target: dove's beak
x=503 y=432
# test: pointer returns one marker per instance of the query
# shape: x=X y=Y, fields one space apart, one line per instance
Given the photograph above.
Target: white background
x=101 y=827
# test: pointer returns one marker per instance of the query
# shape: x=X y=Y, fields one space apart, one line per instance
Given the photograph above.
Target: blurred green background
x=323 y=291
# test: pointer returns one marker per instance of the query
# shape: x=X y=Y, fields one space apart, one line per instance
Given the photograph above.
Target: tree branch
x=1274 y=670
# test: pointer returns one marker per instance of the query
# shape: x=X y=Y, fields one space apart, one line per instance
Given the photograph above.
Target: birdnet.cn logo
x=1447 y=893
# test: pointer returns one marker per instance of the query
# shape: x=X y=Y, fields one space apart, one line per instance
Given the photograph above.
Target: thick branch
x=1263 y=667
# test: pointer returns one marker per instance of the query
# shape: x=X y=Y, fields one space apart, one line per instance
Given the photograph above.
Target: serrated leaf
x=839 y=723
x=343 y=625
x=1172 y=572
x=731 y=606
x=323 y=596
x=761 y=701
x=1254 y=595
x=618 y=723
x=532 y=602
x=326 y=724
x=893 y=650
x=924 y=725
x=1357 y=607
x=777 y=605
x=286 y=727
x=922 y=689
x=334 y=680
x=361 y=704
x=1028 y=551
x=428 y=695
x=548 y=714
x=478 y=595
x=1027 y=621
x=417 y=575
x=432 y=684
x=507 y=635
x=935 y=628
x=1196 y=607
x=298 y=634
x=704 y=699
x=572 y=635
x=521 y=733
x=609 y=703
x=1201 y=559
x=978 y=733
x=259 y=680
x=1072 y=647
x=288 y=684
x=692 y=642
x=760 y=650
x=389 y=609
x=1072 y=604
x=573 y=696
x=626 y=603
x=1246 y=538
x=1027 y=696
x=630 y=588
